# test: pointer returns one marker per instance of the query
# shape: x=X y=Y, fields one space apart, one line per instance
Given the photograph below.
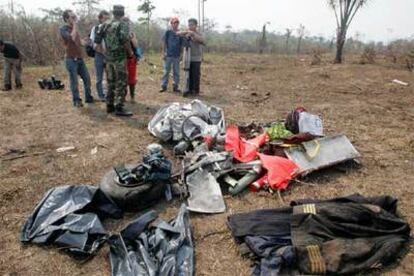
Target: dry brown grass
x=358 y=100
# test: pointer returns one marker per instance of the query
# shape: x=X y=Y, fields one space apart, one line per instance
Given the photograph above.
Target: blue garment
x=77 y=67
x=99 y=69
x=175 y=63
x=173 y=44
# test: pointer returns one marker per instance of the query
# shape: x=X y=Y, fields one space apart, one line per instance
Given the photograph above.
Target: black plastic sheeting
x=70 y=218
x=165 y=249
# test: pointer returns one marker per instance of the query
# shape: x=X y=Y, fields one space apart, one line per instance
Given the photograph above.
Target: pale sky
x=381 y=20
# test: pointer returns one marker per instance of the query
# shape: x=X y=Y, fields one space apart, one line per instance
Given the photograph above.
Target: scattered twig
x=280 y=196
x=213 y=233
x=24 y=156
x=305 y=183
x=356 y=86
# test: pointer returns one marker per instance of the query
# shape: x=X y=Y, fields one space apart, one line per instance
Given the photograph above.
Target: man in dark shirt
x=12 y=61
x=74 y=58
x=172 y=47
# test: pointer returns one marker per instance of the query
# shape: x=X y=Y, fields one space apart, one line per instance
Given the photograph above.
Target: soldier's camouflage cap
x=118 y=8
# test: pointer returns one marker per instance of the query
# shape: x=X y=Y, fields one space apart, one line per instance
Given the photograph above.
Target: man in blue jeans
x=100 y=50
x=74 y=58
x=171 y=51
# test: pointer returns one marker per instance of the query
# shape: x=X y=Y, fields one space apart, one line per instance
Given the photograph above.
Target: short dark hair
x=66 y=15
x=193 y=20
x=103 y=13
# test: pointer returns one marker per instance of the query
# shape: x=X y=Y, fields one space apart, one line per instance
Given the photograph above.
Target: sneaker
x=163 y=89
x=19 y=86
x=122 y=112
x=78 y=104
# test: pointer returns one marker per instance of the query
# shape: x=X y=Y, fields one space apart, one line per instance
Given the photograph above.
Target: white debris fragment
x=400 y=82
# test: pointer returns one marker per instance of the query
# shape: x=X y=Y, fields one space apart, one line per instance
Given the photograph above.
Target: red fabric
x=258 y=184
x=244 y=151
x=279 y=171
x=132 y=71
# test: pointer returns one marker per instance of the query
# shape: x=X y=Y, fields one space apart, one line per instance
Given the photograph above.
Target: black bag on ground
x=70 y=217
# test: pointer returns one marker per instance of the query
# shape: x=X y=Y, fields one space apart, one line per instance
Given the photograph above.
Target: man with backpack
x=99 y=51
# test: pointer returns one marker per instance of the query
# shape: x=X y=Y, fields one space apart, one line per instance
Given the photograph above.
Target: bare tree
x=288 y=34
x=88 y=6
x=147 y=7
x=263 y=39
x=345 y=11
x=301 y=33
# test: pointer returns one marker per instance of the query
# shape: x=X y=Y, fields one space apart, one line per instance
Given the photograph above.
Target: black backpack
x=90 y=51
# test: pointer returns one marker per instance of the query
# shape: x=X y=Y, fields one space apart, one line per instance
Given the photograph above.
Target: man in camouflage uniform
x=116 y=35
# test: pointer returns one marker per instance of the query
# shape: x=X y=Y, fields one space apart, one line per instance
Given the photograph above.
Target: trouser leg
x=196 y=76
x=111 y=84
x=71 y=66
x=191 y=86
x=176 y=71
x=99 y=69
x=17 y=71
x=167 y=70
x=120 y=82
x=7 y=73
x=84 y=74
x=132 y=90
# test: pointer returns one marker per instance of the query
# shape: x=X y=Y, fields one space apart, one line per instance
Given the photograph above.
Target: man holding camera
x=74 y=58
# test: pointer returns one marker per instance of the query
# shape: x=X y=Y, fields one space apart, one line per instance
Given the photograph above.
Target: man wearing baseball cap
x=171 y=51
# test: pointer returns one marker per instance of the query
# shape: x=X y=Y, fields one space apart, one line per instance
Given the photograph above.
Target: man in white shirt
x=100 y=49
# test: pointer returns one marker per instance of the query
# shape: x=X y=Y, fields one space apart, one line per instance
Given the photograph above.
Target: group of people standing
x=114 y=46
x=115 y=51
x=174 y=41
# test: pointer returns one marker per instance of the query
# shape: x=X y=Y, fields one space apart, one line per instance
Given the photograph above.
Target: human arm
x=164 y=46
x=194 y=36
x=75 y=30
x=134 y=40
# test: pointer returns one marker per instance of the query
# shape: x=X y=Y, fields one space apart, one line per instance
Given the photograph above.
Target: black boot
x=110 y=108
x=132 y=92
x=7 y=87
x=121 y=111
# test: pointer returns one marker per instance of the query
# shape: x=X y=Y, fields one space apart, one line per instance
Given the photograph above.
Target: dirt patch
x=357 y=100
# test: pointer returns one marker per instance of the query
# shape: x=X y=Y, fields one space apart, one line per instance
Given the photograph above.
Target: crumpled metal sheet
x=322 y=153
x=199 y=118
x=165 y=249
x=70 y=217
x=205 y=193
x=201 y=170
